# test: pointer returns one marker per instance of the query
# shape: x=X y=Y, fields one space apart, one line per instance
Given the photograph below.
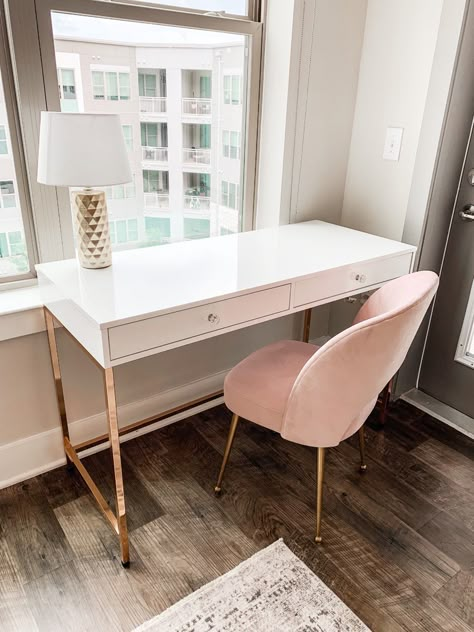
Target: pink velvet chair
x=319 y=396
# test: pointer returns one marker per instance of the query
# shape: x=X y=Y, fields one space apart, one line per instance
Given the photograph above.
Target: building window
x=155 y=181
x=230 y=194
x=7 y=194
x=121 y=191
x=127 y=131
x=231 y=144
x=154 y=134
x=3 y=141
x=158 y=230
x=123 y=231
x=67 y=83
x=152 y=84
x=113 y=86
x=195 y=228
x=232 y=89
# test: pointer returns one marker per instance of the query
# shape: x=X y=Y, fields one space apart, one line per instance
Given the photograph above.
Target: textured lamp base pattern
x=93 y=246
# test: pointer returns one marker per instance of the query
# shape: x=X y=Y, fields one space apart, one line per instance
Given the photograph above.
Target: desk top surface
x=157 y=279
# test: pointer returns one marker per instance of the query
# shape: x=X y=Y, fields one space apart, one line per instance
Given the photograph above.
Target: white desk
x=159 y=298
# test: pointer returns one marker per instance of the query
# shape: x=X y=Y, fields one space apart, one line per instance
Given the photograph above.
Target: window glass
x=98 y=87
x=124 y=83
x=3 y=141
x=13 y=252
x=234 y=7
x=111 y=86
x=166 y=85
x=127 y=131
x=235 y=90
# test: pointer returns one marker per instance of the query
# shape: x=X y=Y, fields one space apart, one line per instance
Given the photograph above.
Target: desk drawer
x=350 y=279
x=158 y=331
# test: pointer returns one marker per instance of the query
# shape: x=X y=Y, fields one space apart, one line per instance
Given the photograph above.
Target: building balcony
x=193 y=156
x=153 y=105
x=197 y=107
x=197 y=203
x=155 y=154
x=157 y=201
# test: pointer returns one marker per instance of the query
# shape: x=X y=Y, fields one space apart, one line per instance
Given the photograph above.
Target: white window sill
x=21 y=312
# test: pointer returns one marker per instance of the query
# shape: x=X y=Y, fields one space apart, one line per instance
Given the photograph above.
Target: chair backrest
x=338 y=386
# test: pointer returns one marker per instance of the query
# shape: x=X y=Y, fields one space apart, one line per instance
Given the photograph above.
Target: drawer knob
x=213 y=319
x=360 y=277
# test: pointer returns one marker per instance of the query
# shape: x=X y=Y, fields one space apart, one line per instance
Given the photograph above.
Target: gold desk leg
x=58 y=383
x=319 y=493
x=306 y=325
x=112 y=421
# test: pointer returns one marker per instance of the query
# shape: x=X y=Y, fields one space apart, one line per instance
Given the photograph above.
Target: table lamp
x=88 y=151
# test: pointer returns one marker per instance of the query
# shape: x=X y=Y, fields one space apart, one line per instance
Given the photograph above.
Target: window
x=147 y=85
x=166 y=75
x=195 y=228
x=67 y=83
x=232 y=89
x=158 y=230
x=154 y=134
x=7 y=194
x=123 y=231
x=3 y=141
x=230 y=194
x=127 y=131
x=16 y=245
x=113 y=86
x=155 y=181
x=231 y=144
x=121 y=191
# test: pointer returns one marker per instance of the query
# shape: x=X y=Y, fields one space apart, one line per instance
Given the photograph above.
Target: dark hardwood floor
x=398 y=541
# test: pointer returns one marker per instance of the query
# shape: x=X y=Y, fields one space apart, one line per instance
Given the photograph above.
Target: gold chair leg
x=363 y=465
x=319 y=492
x=228 y=447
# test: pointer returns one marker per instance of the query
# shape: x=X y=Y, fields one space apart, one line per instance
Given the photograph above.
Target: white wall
x=396 y=62
x=333 y=32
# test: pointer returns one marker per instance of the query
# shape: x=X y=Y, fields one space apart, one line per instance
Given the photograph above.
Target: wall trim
x=42 y=452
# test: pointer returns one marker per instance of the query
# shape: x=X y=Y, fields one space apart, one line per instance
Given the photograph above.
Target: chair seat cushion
x=258 y=388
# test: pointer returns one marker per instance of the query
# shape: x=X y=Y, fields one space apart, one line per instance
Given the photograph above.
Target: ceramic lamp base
x=93 y=244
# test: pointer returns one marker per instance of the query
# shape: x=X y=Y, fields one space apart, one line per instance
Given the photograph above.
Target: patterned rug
x=273 y=591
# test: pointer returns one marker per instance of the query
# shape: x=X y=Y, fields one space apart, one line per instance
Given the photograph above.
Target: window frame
x=32 y=39
x=15 y=149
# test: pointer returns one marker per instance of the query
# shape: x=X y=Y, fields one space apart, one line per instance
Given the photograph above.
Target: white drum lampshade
x=85 y=150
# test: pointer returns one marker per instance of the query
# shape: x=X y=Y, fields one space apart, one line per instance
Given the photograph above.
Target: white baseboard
x=42 y=452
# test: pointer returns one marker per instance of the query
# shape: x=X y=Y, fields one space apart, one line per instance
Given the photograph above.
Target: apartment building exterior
x=181 y=109
x=182 y=112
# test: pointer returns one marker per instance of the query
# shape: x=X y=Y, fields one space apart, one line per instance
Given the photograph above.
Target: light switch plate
x=393 y=143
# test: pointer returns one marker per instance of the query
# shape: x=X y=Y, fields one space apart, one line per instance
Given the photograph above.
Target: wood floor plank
x=32 y=533
x=141 y=506
x=15 y=613
x=452 y=537
x=449 y=462
x=61 y=602
x=458 y=596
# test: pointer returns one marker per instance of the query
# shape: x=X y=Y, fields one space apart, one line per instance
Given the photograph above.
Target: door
x=447 y=370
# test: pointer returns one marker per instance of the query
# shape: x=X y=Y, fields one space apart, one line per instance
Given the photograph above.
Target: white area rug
x=273 y=591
